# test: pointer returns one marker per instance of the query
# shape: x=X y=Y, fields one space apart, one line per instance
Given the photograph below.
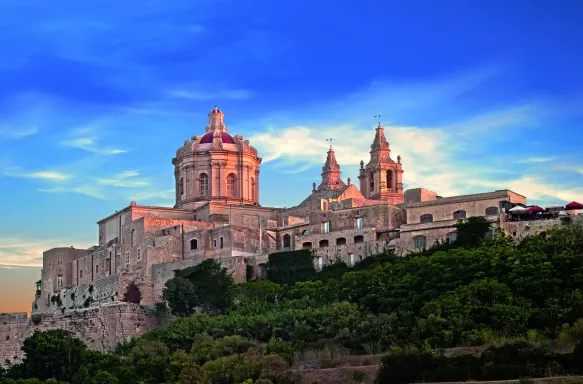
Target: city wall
x=100 y=328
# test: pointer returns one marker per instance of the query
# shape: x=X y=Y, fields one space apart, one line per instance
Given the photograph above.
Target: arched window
x=133 y=238
x=389 y=179
x=193 y=244
x=451 y=237
x=323 y=243
x=252 y=189
x=419 y=242
x=427 y=218
x=286 y=241
x=307 y=245
x=459 y=215
x=371 y=181
x=181 y=186
x=341 y=241
x=306 y=233
x=491 y=211
x=358 y=239
x=231 y=185
x=204 y=184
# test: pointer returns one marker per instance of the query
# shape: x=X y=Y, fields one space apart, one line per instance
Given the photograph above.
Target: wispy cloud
x=88 y=144
x=27 y=252
x=164 y=195
x=17 y=133
x=537 y=160
x=232 y=94
x=46 y=175
x=126 y=179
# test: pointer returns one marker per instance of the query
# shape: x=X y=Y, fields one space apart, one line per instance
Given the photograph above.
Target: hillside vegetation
x=521 y=301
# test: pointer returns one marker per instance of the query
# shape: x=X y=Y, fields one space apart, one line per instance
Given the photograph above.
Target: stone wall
x=100 y=328
x=518 y=230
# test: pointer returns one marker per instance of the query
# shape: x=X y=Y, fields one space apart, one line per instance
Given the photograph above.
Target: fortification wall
x=100 y=328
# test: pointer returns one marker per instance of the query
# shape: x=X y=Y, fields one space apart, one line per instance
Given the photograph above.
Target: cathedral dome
x=216 y=111
x=208 y=138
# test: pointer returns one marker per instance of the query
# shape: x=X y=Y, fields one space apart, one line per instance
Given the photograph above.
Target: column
x=176 y=187
x=257 y=186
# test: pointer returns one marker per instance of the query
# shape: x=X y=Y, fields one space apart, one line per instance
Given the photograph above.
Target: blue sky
x=95 y=98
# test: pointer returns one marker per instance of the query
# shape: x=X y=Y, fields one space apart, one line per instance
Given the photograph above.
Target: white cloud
x=16 y=133
x=537 y=160
x=46 y=175
x=164 y=195
x=231 y=94
x=27 y=252
x=85 y=138
x=126 y=179
x=433 y=157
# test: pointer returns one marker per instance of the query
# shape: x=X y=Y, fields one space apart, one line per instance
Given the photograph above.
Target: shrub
x=36 y=318
x=290 y=267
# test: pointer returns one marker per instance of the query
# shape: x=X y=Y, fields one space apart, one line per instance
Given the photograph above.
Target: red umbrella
x=533 y=209
x=574 y=205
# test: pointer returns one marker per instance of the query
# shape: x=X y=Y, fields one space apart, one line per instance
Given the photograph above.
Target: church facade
x=218 y=215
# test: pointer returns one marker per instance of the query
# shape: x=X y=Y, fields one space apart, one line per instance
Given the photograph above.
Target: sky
x=97 y=96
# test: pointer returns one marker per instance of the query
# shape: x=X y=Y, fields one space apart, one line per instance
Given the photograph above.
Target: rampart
x=100 y=328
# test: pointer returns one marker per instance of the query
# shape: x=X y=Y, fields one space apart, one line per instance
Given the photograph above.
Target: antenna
x=330 y=142
x=379 y=118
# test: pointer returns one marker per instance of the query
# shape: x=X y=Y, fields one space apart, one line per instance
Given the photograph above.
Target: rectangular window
x=59 y=259
x=127 y=258
x=97 y=269
x=351 y=255
x=59 y=282
x=81 y=274
x=320 y=262
x=221 y=243
x=139 y=254
x=359 y=223
x=108 y=265
x=326 y=227
x=215 y=243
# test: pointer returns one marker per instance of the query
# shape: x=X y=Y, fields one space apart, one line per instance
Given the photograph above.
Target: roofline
x=128 y=208
x=444 y=200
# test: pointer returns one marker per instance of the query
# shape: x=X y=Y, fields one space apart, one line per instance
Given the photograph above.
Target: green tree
x=52 y=354
x=103 y=377
x=180 y=295
x=211 y=283
x=472 y=231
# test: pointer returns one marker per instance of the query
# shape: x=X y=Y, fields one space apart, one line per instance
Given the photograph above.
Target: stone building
x=217 y=215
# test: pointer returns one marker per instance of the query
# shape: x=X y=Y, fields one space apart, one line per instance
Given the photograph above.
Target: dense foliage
x=290 y=267
x=476 y=292
x=203 y=286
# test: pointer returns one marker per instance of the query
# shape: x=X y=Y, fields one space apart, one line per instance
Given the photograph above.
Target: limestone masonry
x=217 y=215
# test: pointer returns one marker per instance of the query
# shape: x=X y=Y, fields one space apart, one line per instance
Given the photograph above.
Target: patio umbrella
x=573 y=205
x=554 y=206
x=534 y=209
x=517 y=209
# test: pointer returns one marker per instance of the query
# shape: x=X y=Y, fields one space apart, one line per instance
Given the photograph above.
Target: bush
x=290 y=267
x=36 y=318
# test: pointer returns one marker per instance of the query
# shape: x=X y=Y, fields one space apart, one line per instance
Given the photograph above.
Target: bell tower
x=382 y=177
x=331 y=172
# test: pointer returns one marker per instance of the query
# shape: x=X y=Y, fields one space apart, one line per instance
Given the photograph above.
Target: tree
x=180 y=295
x=472 y=231
x=211 y=283
x=52 y=354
